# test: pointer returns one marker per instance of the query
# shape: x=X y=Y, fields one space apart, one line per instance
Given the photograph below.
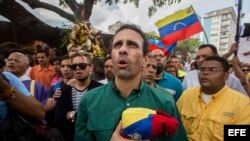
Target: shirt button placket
x=127 y=104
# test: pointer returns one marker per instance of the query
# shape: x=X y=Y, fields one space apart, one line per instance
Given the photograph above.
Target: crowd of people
x=84 y=97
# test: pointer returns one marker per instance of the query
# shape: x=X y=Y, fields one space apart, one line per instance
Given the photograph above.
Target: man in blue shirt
x=165 y=80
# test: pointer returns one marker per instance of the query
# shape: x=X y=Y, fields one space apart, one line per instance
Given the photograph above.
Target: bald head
x=160 y=59
x=157 y=51
x=17 y=63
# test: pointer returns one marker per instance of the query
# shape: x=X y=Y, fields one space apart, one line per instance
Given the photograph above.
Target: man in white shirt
x=191 y=79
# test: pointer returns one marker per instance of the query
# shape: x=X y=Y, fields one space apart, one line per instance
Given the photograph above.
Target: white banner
x=244 y=49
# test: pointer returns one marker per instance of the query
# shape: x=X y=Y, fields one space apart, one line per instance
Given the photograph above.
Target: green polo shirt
x=100 y=111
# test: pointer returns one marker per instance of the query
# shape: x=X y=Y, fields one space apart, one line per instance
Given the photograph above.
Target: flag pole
x=237 y=36
x=201 y=25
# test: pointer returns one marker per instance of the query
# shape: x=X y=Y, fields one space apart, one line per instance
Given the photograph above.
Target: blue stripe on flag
x=178 y=25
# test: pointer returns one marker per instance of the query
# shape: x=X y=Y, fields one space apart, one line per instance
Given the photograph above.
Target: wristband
x=9 y=94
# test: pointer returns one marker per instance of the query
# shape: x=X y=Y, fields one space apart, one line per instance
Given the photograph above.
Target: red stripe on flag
x=182 y=34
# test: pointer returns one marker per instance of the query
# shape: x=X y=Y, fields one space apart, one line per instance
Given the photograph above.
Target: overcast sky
x=104 y=15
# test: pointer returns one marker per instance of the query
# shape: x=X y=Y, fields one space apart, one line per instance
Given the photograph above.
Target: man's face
x=72 y=51
x=175 y=62
x=16 y=64
x=108 y=69
x=202 y=54
x=160 y=59
x=65 y=69
x=149 y=70
x=42 y=59
x=127 y=55
x=171 y=70
x=245 y=70
x=56 y=65
x=212 y=75
x=52 y=52
x=81 y=74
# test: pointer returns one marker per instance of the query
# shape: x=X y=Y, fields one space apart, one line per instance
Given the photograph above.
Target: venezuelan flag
x=156 y=43
x=178 y=26
x=146 y=123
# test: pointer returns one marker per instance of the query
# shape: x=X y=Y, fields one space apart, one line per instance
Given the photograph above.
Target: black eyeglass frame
x=82 y=66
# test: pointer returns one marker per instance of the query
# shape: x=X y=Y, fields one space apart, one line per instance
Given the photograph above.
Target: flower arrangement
x=86 y=39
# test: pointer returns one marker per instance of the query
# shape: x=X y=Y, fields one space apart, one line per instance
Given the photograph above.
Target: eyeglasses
x=14 y=60
x=210 y=70
x=82 y=66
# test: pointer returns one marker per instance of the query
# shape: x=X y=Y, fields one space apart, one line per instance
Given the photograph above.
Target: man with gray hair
x=17 y=63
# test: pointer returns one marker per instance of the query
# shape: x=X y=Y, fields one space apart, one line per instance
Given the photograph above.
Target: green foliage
x=152 y=9
x=189 y=44
x=62 y=3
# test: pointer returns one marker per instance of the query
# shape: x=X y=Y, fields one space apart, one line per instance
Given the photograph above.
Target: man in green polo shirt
x=100 y=109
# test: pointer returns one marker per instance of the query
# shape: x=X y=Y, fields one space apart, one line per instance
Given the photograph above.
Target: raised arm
x=27 y=106
x=231 y=51
x=238 y=72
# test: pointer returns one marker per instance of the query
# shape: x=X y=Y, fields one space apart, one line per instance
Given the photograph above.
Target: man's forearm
x=29 y=107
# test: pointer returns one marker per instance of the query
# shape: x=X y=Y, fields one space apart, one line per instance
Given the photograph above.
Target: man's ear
x=91 y=67
x=226 y=76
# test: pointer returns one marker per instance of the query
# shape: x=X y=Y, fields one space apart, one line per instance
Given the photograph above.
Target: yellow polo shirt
x=205 y=122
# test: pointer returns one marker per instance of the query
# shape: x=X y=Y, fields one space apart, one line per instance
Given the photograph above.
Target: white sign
x=244 y=49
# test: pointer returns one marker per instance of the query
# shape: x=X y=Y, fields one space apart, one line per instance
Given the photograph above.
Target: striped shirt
x=76 y=97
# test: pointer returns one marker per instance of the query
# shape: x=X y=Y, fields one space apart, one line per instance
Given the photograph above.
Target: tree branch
x=73 y=5
x=88 y=6
x=37 y=4
x=30 y=24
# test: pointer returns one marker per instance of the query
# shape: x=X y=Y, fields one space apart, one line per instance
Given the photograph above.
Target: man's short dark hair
x=45 y=51
x=212 y=47
x=64 y=57
x=224 y=63
x=139 y=31
x=98 y=61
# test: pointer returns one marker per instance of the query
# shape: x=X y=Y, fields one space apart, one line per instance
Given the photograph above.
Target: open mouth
x=10 y=67
x=122 y=63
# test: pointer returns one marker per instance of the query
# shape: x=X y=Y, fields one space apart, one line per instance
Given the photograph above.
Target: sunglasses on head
x=82 y=66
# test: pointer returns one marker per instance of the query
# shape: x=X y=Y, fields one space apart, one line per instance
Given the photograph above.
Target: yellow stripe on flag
x=154 y=35
x=133 y=115
x=181 y=14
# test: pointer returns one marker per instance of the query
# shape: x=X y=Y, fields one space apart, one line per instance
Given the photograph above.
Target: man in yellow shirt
x=206 y=109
